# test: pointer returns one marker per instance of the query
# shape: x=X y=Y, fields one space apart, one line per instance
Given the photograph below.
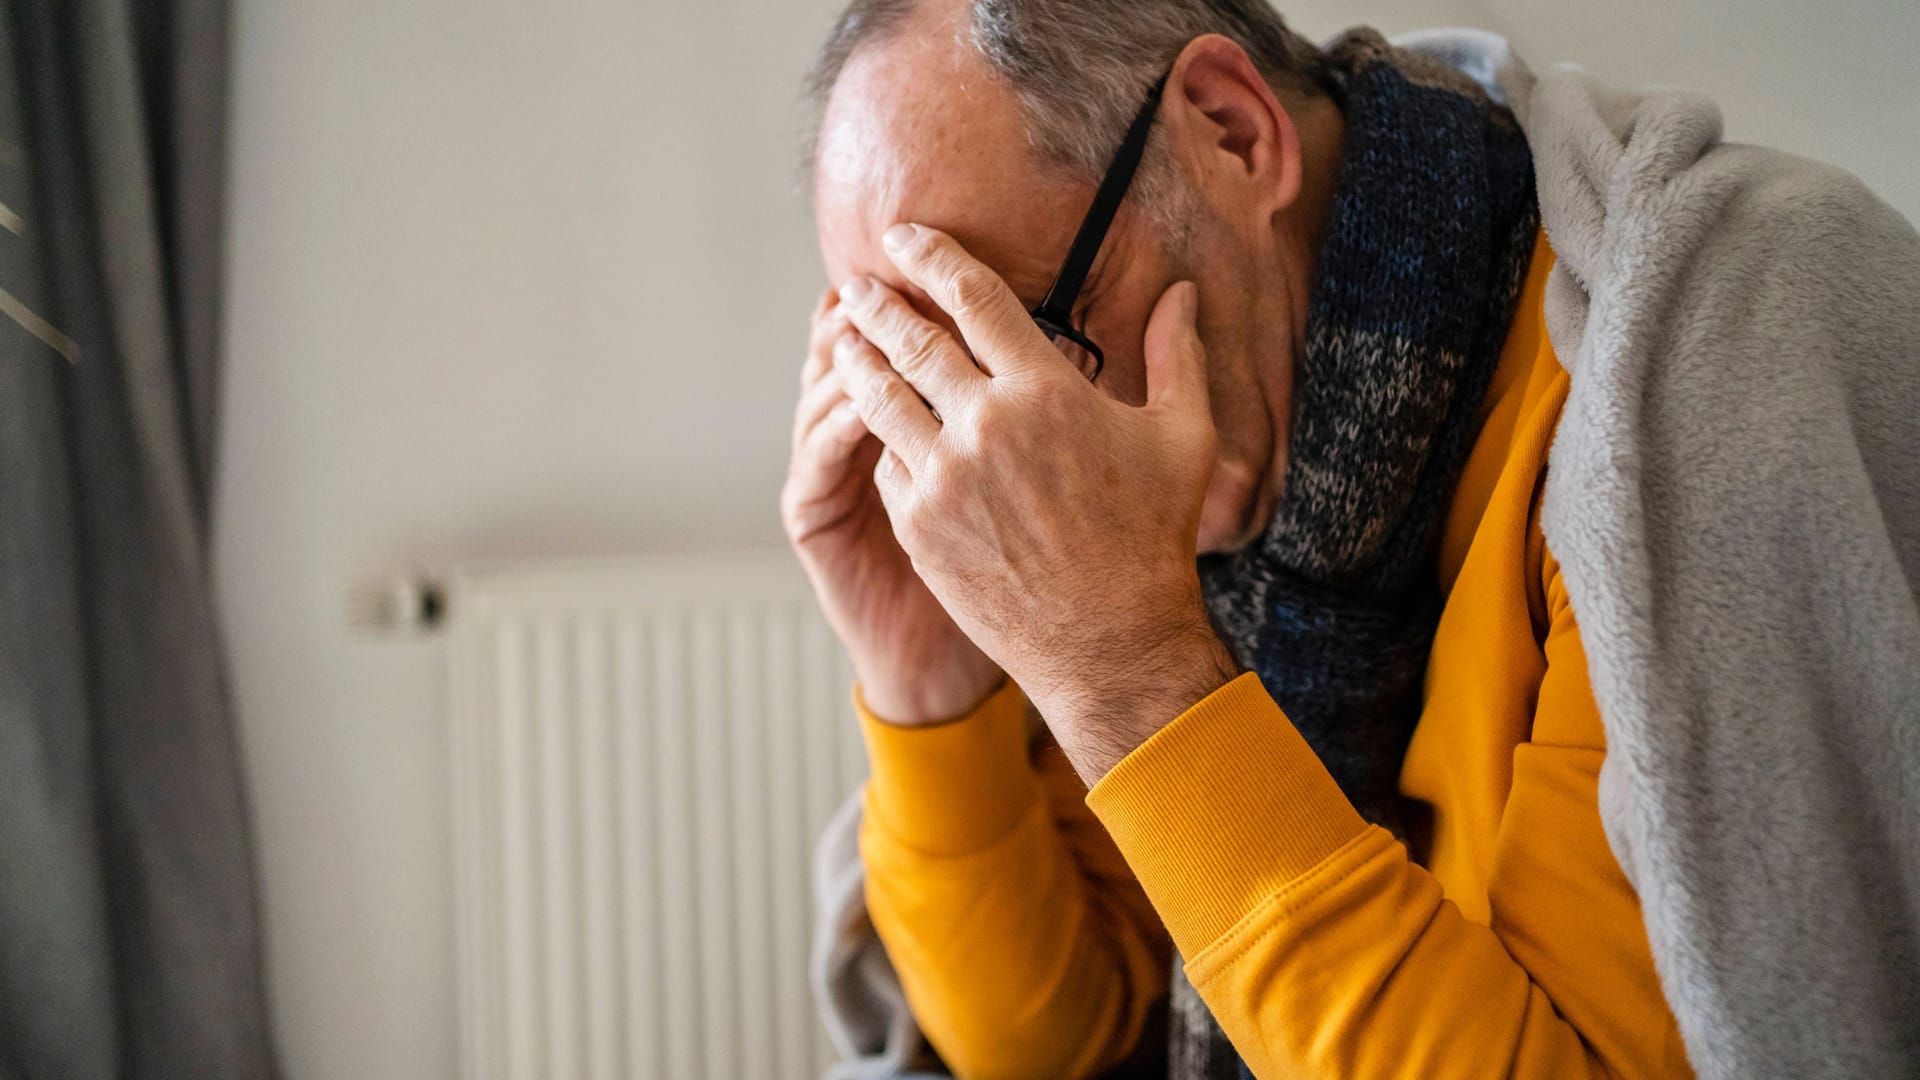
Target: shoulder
x=1817 y=224
x=1631 y=175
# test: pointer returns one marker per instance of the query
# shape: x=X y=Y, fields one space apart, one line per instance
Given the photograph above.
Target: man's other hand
x=914 y=665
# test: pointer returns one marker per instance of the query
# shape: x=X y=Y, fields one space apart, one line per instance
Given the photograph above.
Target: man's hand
x=1056 y=525
x=914 y=664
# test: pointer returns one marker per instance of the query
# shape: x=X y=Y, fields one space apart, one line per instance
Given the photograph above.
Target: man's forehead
x=913 y=135
x=925 y=91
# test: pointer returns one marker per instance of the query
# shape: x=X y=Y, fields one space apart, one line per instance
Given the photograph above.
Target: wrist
x=923 y=700
x=1102 y=716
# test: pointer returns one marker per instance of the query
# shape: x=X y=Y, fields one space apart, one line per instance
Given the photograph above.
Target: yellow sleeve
x=1023 y=942
x=1325 y=951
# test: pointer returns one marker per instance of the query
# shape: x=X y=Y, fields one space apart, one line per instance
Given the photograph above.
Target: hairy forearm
x=1101 y=711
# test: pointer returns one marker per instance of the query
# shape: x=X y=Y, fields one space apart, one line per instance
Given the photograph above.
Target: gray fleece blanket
x=1734 y=498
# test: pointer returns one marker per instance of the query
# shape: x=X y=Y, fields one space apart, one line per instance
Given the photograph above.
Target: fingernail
x=855 y=289
x=897 y=238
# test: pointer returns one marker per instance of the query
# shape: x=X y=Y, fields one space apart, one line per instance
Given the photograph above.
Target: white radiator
x=643 y=755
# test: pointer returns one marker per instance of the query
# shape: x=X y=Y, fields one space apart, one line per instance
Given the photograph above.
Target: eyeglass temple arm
x=1058 y=304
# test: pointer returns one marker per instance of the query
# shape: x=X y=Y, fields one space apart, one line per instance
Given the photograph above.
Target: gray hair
x=1081 y=68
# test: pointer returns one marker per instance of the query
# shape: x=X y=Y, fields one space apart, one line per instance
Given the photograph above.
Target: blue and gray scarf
x=1432 y=226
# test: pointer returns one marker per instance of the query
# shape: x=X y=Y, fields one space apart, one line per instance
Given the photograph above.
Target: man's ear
x=1233 y=122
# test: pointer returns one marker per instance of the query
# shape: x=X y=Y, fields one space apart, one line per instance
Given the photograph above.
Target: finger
x=815 y=402
x=923 y=352
x=886 y=403
x=991 y=318
x=822 y=459
x=829 y=322
x=1176 y=361
x=824 y=482
x=894 y=481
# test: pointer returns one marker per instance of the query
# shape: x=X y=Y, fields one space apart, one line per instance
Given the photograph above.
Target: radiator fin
x=643 y=756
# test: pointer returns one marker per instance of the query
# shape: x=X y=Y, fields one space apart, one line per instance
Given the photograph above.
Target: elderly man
x=1196 y=386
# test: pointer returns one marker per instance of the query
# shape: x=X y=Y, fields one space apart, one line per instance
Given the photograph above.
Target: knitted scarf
x=1432 y=226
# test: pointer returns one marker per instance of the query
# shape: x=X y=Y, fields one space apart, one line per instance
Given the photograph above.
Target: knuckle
x=890 y=479
x=935 y=468
x=972 y=290
x=939 y=486
x=920 y=343
x=887 y=394
x=989 y=427
x=1046 y=394
x=862 y=374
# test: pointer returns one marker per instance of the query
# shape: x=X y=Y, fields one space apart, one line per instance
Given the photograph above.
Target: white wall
x=520 y=280
x=508 y=279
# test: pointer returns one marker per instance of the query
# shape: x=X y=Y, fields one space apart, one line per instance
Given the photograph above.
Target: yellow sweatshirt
x=1030 y=920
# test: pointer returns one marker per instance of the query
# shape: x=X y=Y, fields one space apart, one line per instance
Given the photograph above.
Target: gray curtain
x=129 y=931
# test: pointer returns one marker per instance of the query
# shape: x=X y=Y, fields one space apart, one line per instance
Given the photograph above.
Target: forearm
x=1324 y=951
x=1365 y=969
x=1146 y=677
x=1024 y=947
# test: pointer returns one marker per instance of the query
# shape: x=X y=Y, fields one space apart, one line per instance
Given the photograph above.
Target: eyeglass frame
x=1054 y=313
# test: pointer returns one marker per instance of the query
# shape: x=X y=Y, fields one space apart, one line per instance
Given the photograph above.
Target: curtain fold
x=129 y=926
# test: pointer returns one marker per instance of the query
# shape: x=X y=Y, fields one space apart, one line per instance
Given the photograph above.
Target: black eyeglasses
x=1055 y=313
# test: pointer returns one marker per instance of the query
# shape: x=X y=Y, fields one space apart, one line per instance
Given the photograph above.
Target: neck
x=1298 y=232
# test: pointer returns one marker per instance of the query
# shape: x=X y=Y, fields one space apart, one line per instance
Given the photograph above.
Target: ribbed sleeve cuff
x=953 y=788
x=1220 y=809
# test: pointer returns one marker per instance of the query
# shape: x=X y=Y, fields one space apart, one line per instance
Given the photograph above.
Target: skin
x=967 y=505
